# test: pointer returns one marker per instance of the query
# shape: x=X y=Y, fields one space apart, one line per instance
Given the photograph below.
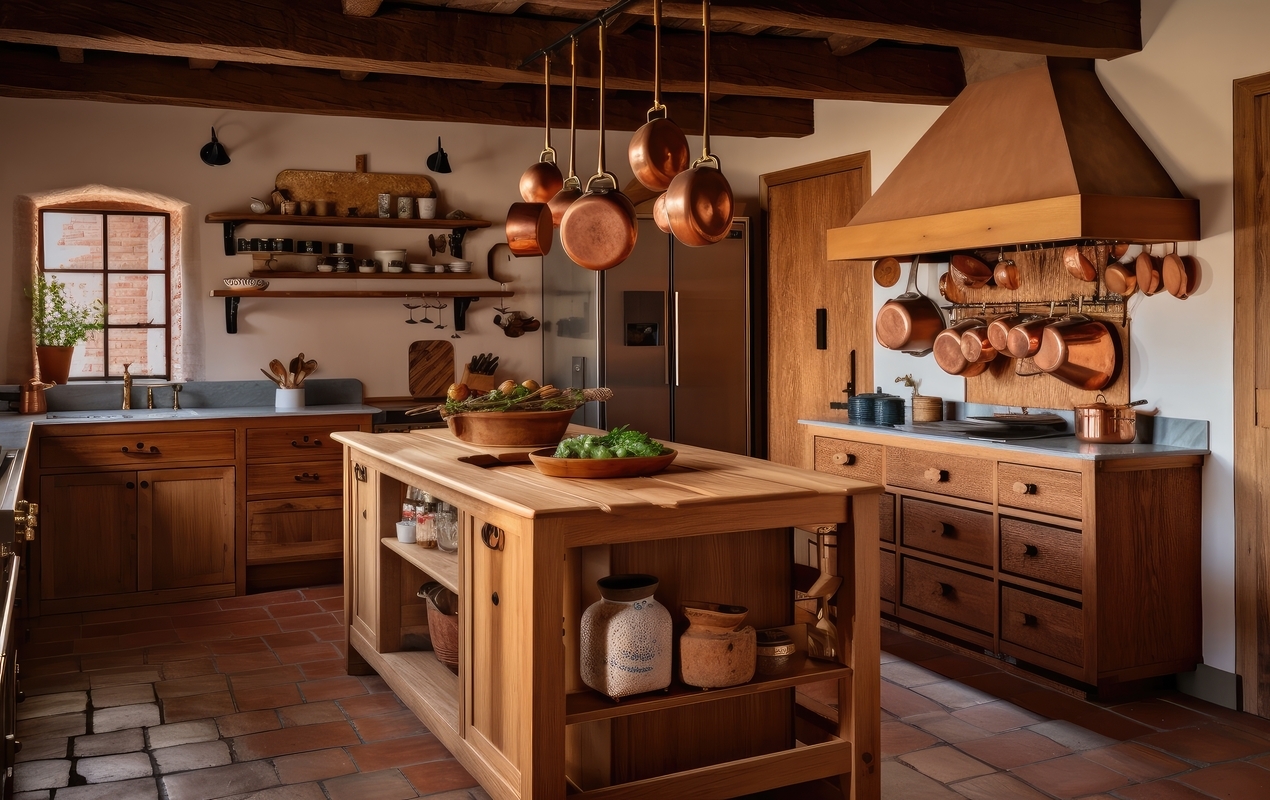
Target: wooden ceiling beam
x=361 y=8
x=126 y=78
x=70 y=55
x=203 y=63
x=840 y=44
x=481 y=47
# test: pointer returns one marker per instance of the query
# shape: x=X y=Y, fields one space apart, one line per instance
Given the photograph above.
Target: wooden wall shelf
x=374 y=276
x=230 y=220
x=462 y=299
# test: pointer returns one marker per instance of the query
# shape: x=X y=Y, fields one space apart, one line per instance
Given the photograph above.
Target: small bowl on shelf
x=325 y=267
x=257 y=284
x=395 y=267
x=459 y=266
x=419 y=268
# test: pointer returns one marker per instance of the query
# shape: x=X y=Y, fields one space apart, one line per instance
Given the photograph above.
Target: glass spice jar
x=425 y=523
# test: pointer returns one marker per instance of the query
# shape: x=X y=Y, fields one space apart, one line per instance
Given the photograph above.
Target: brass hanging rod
x=601 y=17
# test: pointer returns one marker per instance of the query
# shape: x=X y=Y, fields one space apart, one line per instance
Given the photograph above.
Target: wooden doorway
x=804 y=375
x=1252 y=392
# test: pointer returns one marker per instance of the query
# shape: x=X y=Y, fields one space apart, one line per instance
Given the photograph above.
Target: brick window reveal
x=122 y=258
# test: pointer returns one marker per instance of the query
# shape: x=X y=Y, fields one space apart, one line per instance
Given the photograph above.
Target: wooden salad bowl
x=510 y=428
x=636 y=467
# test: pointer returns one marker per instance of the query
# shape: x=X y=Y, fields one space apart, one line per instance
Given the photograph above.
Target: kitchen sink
x=135 y=413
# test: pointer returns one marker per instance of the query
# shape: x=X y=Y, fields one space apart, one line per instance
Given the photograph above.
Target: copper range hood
x=1038 y=155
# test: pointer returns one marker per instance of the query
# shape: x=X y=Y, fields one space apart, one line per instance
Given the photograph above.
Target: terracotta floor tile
x=292 y=639
x=184 y=687
x=1014 y=749
x=220 y=617
x=198 y=706
x=179 y=733
x=371 y=705
x=122 y=767
x=998 y=716
x=277 y=610
x=317 y=651
x=332 y=604
x=389 y=726
x=204 y=633
x=285 y=694
x=913 y=649
x=46 y=649
x=331 y=688
x=246 y=644
x=105 y=744
x=908 y=675
x=317 y=670
x=1071 y=735
x=53 y=684
x=270 y=676
x=136 y=789
x=102 y=644
x=331 y=634
x=166 y=653
x=951 y=694
x=126 y=695
x=1229 y=716
x=55 y=620
x=196 y=755
x=205 y=784
x=947 y=727
x=1111 y=724
x=310 y=713
x=904 y=702
x=945 y=764
x=1234 y=781
x=50 y=666
x=296 y=740
x=1208 y=743
x=438 y=776
x=131 y=641
x=398 y=752
x=245 y=662
x=902 y=782
x=952 y=665
x=126 y=626
x=389 y=784
x=295 y=791
x=315 y=766
x=306 y=622
x=1160 y=790
x=1137 y=762
x=258 y=600
x=174 y=670
x=1049 y=703
x=374 y=684
x=64 y=725
x=260 y=627
x=248 y=722
x=99 y=661
x=1161 y=714
x=1071 y=776
x=997 y=786
x=62 y=634
x=44 y=749
x=323 y=592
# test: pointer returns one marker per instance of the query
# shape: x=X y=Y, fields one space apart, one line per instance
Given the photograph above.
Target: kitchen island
x=713 y=527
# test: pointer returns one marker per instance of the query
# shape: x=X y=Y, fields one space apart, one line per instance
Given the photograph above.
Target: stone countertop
x=1063 y=446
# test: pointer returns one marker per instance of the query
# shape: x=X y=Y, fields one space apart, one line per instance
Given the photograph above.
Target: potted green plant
x=59 y=324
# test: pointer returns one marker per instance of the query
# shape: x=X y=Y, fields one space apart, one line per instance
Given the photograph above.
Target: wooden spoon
x=271 y=377
x=279 y=372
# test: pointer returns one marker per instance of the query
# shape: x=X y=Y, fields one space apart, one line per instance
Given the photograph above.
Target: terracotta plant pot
x=55 y=363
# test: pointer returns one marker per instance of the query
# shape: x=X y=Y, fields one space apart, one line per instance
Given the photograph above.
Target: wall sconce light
x=439 y=161
x=214 y=153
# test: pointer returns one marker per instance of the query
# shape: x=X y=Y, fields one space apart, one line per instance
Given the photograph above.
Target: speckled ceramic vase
x=627 y=638
x=716 y=651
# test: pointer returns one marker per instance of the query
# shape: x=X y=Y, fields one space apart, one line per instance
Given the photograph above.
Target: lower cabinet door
x=88 y=534
x=299 y=529
x=185 y=527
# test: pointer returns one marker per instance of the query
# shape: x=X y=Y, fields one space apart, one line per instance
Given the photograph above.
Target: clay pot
x=627 y=638
x=443 y=622
x=55 y=363
x=716 y=651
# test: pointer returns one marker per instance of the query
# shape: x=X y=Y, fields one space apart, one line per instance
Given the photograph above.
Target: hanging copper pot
x=909 y=322
x=1078 y=266
x=599 y=229
x=1080 y=352
x=659 y=213
x=948 y=352
x=974 y=272
x=529 y=229
x=572 y=188
x=659 y=150
x=699 y=200
x=1024 y=338
x=1147 y=270
x=1006 y=273
x=975 y=344
x=541 y=181
x=1179 y=274
x=999 y=330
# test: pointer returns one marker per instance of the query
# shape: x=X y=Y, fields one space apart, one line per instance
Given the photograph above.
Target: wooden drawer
x=849 y=459
x=954 y=532
x=274 y=444
x=887 y=573
x=304 y=529
x=295 y=478
x=954 y=595
x=1042 y=552
x=1049 y=491
x=1043 y=624
x=940 y=473
x=886 y=518
x=140 y=450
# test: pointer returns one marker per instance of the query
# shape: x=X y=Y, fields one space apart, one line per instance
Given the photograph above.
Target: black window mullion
x=105 y=296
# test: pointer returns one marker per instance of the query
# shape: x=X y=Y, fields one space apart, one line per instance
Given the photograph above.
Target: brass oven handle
x=844 y=459
x=1024 y=488
x=937 y=475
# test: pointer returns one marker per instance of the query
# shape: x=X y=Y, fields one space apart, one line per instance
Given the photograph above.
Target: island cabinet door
x=499 y=646
x=362 y=548
x=88 y=534
x=185 y=527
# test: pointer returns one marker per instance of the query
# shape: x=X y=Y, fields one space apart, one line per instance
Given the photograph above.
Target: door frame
x=1252 y=539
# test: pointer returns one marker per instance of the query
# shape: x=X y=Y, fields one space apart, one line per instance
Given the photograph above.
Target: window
x=121 y=258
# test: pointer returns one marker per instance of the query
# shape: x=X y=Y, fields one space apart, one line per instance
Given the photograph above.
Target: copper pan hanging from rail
x=659 y=150
x=572 y=188
x=542 y=180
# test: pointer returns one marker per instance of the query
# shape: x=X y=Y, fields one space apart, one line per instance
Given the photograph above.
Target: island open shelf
x=713 y=526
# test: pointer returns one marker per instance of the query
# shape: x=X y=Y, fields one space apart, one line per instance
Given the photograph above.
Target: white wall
x=1177 y=92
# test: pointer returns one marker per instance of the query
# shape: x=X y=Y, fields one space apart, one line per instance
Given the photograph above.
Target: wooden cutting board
x=358 y=190
x=431 y=368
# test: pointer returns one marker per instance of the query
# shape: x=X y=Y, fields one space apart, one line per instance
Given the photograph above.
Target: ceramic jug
x=716 y=651
x=627 y=638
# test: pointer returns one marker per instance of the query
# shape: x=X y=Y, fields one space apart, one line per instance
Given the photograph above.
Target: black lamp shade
x=214 y=153
x=439 y=161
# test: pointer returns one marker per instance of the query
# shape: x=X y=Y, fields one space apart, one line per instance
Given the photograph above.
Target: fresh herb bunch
x=521 y=398
x=621 y=442
x=56 y=319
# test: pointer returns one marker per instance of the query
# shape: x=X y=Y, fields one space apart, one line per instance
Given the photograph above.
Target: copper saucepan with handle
x=1024 y=338
x=999 y=330
x=659 y=150
x=948 y=350
x=542 y=180
x=529 y=228
x=910 y=322
x=1101 y=422
x=1080 y=351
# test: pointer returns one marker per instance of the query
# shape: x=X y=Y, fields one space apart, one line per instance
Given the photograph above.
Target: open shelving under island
x=714 y=526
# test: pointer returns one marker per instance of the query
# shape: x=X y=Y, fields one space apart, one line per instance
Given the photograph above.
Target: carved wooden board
x=358 y=190
x=431 y=368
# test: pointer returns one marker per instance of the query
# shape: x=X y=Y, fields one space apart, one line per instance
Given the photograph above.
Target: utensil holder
x=288 y=399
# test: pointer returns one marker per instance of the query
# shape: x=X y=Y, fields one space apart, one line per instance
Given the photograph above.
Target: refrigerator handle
x=676 y=338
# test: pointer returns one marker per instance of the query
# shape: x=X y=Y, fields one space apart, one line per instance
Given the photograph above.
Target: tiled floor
x=247 y=698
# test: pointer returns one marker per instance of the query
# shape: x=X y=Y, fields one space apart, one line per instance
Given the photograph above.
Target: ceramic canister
x=627 y=638
x=716 y=651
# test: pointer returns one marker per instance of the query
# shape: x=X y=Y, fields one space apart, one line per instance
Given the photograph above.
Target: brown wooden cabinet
x=1088 y=569
x=185 y=528
x=87 y=539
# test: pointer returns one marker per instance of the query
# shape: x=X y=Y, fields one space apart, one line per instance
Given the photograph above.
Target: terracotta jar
x=627 y=638
x=716 y=651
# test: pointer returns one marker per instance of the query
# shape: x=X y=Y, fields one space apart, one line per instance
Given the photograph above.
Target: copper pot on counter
x=1102 y=423
x=31 y=396
x=1081 y=352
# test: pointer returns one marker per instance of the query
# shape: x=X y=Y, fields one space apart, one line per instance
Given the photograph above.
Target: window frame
x=106 y=272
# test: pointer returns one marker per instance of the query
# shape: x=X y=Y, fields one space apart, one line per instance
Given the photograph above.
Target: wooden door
x=185 y=527
x=801 y=204
x=300 y=529
x=88 y=534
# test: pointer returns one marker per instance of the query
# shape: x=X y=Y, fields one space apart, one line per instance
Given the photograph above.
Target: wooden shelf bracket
x=462 y=300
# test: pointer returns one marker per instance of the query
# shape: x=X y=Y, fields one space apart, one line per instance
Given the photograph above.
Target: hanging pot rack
x=599 y=18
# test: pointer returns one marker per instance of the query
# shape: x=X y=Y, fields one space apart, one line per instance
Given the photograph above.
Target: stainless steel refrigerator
x=668 y=330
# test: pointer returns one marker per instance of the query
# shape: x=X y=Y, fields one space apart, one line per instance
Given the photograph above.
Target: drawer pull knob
x=1024 y=488
x=1031 y=550
x=1029 y=620
x=844 y=459
x=494 y=598
x=145 y=484
x=141 y=450
x=943 y=589
x=946 y=530
x=937 y=475
x=307 y=477
x=130 y=485
x=493 y=537
x=306 y=443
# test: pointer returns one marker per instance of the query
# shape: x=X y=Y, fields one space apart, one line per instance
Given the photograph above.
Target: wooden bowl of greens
x=621 y=453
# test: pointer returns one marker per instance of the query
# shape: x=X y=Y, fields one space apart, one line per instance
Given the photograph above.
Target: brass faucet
x=176 y=397
x=127 y=387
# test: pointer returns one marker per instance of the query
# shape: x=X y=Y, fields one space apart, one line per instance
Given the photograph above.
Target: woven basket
x=927 y=409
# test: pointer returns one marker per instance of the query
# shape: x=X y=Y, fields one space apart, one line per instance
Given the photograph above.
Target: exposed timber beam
x=203 y=63
x=70 y=55
x=353 y=75
x=480 y=47
x=360 y=8
x=840 y=44
x=126 y=78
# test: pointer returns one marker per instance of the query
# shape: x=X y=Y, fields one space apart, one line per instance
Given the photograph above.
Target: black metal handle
x=822 y=329
x=1031 y=550
x=307 y=477
x=315 y=443
x=493 y=537
x=142 y=451
x=359 y=472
